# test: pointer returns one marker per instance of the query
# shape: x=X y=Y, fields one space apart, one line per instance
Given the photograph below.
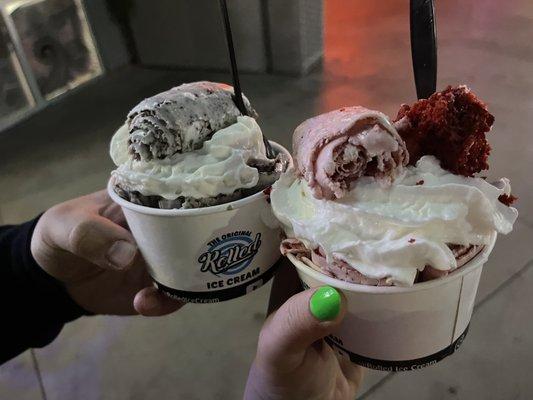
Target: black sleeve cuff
x=45 y=290
x=35 y=305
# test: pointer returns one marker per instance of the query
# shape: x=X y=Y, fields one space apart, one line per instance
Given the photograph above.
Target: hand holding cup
x=293 y=361
x=85 y=243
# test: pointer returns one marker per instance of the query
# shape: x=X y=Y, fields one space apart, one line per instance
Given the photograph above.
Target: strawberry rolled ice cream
x=335 y=149
x=380 y=203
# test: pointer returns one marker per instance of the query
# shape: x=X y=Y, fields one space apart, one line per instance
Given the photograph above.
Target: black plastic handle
x=233 y=62
x=424 y=46
x=239 y=102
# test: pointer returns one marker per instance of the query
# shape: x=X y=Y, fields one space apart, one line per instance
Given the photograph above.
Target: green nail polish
x=325 y=303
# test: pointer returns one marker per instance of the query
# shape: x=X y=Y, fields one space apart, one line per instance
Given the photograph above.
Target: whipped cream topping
x=393 y=232
x=219 y=167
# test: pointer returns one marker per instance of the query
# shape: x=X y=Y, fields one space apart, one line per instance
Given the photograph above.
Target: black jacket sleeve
x=33 y=305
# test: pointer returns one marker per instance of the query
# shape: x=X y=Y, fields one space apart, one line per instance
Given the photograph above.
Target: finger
x=100 y=197
x=99 y=241
x=94 y=202
x=354 y=373
x=150 y=302
x=112 y=211
x=100 y=203
x=305 y=318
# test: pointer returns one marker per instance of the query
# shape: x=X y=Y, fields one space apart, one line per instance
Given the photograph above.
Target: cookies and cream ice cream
x=419 y=224
x=191 y=147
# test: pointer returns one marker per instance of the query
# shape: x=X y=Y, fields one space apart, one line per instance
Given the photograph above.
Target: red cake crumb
x=507 y=199
x=267 y=192
x=451 y=125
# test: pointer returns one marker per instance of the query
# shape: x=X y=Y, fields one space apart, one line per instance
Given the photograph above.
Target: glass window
x=57 y=43
x=15 y=96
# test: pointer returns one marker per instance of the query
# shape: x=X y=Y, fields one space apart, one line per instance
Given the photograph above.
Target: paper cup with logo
x=208 y=254
x=403 y=328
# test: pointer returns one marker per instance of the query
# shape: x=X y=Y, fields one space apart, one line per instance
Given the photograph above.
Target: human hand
x=293 y=361
x=85 y=244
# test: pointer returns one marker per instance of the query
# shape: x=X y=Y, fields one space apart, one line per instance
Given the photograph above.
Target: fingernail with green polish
x=325 y=303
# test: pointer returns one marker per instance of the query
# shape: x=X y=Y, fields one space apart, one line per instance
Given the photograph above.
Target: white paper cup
x=403 y=328
x=208 y=254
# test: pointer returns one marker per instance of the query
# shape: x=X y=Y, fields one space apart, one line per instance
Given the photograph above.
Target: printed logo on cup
x=229 y=255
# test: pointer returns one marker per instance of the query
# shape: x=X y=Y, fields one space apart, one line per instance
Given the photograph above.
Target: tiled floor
x=19 y=379
x=203 y=352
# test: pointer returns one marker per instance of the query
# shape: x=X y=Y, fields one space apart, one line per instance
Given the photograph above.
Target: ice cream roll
x=192 y=178
x=333 y=150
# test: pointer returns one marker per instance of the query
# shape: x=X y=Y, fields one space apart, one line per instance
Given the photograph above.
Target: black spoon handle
x=233 y=62
x=424 y=46
x=239 y=102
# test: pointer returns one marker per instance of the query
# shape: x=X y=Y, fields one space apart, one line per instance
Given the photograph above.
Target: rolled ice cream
x=381 y=222
x=190 y=147
x=333 y=150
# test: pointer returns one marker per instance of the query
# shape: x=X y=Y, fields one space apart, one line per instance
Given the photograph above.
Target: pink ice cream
x=333 y=150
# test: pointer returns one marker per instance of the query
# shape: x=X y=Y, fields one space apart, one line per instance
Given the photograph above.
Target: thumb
x=305 y=318
x=87 y=235
x=102 y=242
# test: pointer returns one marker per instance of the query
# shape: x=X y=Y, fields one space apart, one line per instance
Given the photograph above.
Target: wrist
x=38 y=281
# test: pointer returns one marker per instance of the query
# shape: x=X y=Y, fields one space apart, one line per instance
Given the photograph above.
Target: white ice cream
x=219 y=167
x=372 y=228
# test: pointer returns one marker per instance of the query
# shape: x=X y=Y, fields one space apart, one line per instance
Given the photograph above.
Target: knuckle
x=80 y=233
x=293 y=318
x=59 y=211
x=264 y=334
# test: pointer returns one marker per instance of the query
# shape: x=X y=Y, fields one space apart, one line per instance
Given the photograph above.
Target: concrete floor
x=204 y=351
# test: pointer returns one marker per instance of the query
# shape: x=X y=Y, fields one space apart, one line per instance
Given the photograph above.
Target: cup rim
x=232 y=205
x=474 y=263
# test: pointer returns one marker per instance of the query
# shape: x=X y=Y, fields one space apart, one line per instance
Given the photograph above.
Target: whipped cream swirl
x=393 y=232
x=220 y=166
